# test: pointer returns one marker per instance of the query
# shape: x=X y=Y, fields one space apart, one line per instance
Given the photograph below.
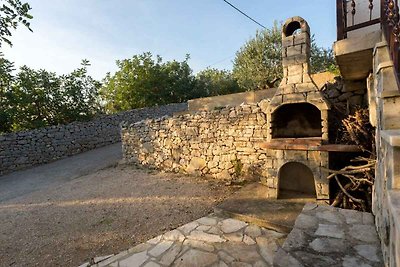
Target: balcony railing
x=355 y=15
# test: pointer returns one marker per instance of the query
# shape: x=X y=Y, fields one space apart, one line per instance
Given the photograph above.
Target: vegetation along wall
x=23 y=149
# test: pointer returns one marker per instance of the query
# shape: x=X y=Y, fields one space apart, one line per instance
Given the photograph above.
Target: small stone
x=329 y=230
x=203 y=228
x=234 y=237
x=329 y=216
x=155 y=240
x=160 y=248
x=253 y=230
x=272 y=234
x=174 y=235
x=296 y=239
x=196 y=258
x=284 y=259
x=368 y=218
x=232 y=225
x=202 y=236
x=207 y=221
x=349 y=261
x=366 y=233
x=306 y=222
x=328 y=245
x=268 y=248
x=225 y=257
x=248 y=240
x=198 y=244
x=169 y=257
x=135 y=260
x=370 y=252
x=214 y=230
x=187 y=228
x=352 y=216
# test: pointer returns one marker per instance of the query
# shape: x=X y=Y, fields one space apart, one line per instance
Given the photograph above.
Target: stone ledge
x=394 y=206
x=392 y=137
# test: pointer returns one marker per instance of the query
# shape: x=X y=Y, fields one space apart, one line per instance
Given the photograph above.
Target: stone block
x=293 y=79
x=294 y=50
x=294 y=98
x=305 y=87
x=287 y=41
x=295 y=69
x=295 y=155
x=297 y=59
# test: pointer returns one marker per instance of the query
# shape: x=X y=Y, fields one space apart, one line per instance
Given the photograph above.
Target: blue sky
x=66 y=31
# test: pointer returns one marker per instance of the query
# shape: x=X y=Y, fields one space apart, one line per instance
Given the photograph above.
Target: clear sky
x=66 y=31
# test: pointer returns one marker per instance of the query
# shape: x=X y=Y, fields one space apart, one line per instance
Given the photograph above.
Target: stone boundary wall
x=28 y=148
x=223 y=144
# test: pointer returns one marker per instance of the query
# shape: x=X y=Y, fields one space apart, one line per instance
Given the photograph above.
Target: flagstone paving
x=208 y=241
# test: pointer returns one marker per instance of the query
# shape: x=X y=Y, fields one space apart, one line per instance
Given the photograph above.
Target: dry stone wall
x=222 y=143
x=23 y=149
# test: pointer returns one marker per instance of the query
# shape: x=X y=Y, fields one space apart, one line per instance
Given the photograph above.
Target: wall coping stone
x=392 y=137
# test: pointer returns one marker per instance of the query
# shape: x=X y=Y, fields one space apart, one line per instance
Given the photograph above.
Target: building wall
x=24 y=149
x=384 y=102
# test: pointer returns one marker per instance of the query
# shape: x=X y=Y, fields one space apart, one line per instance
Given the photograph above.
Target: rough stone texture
x=384 y=103
x=229 y=143
x=166 y=251
x=322 y=241
x=24 y=149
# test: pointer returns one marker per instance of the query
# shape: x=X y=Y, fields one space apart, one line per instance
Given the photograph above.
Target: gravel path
x=100 y=214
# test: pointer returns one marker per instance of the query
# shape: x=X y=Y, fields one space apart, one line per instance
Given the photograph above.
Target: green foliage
x=38 y=98
x=322 y=59
x=215 y=82
x=12 y=13
x=258 y=62
x=142 y=82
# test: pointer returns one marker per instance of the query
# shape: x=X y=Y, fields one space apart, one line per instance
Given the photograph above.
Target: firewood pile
x=355 y=181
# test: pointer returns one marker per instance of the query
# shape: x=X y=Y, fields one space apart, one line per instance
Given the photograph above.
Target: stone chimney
x=297 y=93
x=296 y=47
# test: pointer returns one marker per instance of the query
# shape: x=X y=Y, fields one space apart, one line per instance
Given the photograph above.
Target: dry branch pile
x=355 y=181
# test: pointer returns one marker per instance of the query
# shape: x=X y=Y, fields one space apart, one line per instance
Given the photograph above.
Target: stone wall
x=222 y=143
x=226 y=144
x=24 y=149
x=384 y=103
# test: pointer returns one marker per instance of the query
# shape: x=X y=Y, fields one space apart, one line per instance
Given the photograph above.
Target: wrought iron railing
x=388 y=18
x=353 y=15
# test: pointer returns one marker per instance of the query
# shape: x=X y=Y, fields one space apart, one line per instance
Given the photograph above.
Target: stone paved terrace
x=322 y=236
x=208 y=241
x=327 y=236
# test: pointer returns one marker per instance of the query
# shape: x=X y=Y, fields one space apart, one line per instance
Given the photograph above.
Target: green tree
x=6 y=78
x=258 y=62
x=213 y=82
x=143 y=81
x=38 y=98
x=13 y=13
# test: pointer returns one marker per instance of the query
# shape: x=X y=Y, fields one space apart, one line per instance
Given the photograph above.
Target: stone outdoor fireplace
x=297 y=121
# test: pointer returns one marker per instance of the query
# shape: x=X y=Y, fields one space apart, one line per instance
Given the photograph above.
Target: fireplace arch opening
x=296 y=180
x=299 y=120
